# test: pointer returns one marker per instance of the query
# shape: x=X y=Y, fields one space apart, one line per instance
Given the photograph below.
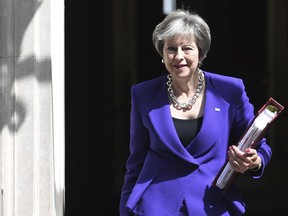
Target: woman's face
x=181 y=56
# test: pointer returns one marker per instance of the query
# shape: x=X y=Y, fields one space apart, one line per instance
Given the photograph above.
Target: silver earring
x=162 y=61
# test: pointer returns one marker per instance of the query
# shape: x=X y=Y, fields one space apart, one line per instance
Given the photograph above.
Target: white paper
x=258 y=125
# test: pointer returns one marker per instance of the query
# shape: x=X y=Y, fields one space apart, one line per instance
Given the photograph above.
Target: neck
x=186 y=105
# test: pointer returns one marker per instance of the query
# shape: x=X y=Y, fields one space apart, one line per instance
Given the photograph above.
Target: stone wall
x=29 y=159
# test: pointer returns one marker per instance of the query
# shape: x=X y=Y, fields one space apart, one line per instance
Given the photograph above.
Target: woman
x=182 y=126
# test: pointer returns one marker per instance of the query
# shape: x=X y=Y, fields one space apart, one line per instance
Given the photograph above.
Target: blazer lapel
x=160 y=116
x=216 y=109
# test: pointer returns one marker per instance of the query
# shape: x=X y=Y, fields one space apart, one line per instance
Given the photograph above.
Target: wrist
x=257 y=168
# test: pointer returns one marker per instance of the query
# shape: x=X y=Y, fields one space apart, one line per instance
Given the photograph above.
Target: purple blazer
x=162 y=173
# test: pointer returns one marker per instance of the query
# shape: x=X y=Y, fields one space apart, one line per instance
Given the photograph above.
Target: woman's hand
x=243 y=161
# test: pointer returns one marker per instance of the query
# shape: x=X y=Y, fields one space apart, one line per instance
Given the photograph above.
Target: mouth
x=180 y=66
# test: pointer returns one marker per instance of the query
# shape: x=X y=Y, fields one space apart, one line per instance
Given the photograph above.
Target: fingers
x=242 y=161
x=236 y=160
x=251 y=155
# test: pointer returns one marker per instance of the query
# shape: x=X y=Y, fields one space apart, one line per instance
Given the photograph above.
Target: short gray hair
x=182 y=23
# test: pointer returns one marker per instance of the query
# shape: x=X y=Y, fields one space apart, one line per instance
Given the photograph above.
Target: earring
x=162 y=61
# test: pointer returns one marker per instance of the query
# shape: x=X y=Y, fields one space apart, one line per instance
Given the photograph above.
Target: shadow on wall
x=16 y=66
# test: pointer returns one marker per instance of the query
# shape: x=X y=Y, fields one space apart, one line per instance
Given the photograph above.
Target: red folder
x=250 y=139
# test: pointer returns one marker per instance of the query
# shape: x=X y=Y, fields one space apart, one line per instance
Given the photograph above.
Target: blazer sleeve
x=138 y=147
x=244 y=115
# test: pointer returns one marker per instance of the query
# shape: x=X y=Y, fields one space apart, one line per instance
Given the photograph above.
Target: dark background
x=95 y=156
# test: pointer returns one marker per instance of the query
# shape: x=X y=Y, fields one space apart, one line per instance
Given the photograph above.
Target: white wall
x=31 y=108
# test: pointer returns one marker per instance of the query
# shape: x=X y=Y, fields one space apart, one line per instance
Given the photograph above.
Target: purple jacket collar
x=216 y=109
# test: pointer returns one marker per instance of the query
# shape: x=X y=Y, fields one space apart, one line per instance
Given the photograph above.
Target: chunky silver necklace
x=182 y=105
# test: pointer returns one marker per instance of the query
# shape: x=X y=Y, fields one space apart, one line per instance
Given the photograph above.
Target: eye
x=187 y=49
x=171 y=49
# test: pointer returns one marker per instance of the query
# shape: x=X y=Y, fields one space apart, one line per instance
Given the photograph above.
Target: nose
x=179 y=54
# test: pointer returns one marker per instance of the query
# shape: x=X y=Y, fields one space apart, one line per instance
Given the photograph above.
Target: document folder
x=250 y=139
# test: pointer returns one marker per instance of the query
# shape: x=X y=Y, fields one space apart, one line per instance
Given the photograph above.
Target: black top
x=187 y=129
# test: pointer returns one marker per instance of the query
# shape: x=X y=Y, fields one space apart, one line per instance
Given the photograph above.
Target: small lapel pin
x=217 y=109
